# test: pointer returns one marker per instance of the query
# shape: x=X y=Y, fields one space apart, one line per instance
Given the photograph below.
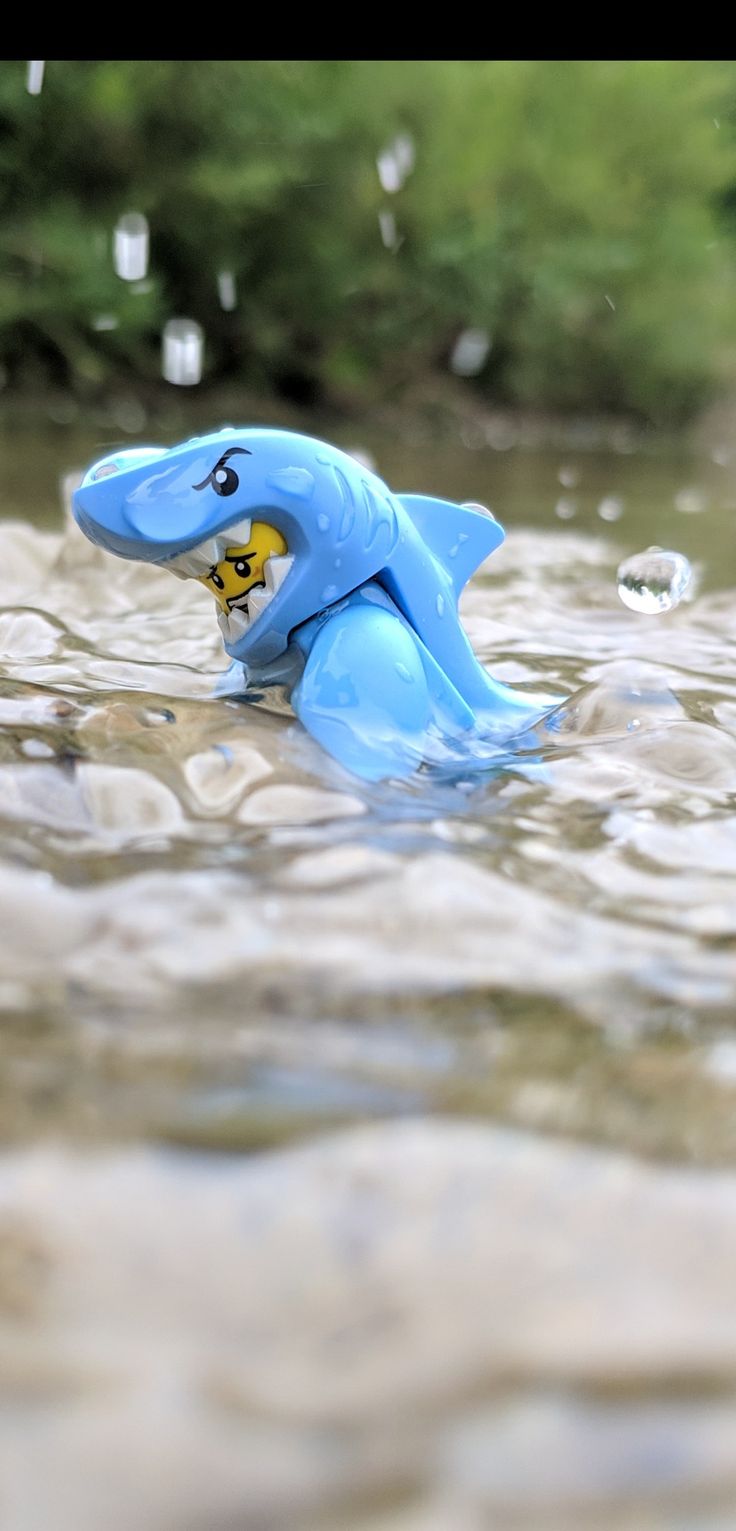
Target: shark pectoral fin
x=364 y=694
x=458 y=537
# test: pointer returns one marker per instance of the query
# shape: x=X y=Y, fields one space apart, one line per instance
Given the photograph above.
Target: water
x=227 y=291
x=470 y=353
x=389 y=232
x=130 y=247
x=34 y=76
x=362 y=1144
x=654 y=581
x=396 y=162
x=183 y=352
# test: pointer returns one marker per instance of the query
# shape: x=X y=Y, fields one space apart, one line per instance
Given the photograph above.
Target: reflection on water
x=213 y=938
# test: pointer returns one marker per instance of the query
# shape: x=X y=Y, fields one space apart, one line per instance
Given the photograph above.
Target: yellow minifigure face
x=242 y=569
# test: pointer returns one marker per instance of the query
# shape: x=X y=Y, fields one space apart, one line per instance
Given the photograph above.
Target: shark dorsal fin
x=458 y=537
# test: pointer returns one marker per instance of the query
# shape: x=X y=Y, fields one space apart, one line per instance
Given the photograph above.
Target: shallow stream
x=363 y=1146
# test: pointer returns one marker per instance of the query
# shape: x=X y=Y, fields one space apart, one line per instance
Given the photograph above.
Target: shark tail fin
x=458 y=536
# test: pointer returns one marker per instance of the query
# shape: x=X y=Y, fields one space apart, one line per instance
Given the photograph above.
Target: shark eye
x=242 y=568
x=223 y=479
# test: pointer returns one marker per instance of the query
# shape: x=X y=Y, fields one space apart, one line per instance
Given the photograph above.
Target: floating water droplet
x=611 y=508
x=395 y=163
x=470 y=353
x=34 y=77
x=105 y=322
x=364 y=457
x=610 y=301
x=566 y=509
x=389 y=232
x=691 y=502
x=482 y=510
x=130 y=415
x=653 y=581
x=227 y=291
x=183 y=347
x=569 y=477
x=130 y=247
x=63 y=410
x=502 y=435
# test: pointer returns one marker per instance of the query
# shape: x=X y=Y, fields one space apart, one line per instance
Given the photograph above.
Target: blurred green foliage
x=580 y=211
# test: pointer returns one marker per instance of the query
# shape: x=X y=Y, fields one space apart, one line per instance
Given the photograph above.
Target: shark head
x=280 y=527
x=277 y=525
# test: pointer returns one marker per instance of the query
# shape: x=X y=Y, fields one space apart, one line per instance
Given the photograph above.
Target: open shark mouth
x=248 y=607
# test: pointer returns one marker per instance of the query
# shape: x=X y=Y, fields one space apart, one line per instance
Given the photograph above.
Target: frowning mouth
x=242 y=602
x=244 y=610
x=247 y=606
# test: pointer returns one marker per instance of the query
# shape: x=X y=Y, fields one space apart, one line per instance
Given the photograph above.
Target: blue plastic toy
x=327 y=582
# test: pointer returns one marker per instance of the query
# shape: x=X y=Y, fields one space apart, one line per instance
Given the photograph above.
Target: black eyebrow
x=231 y=451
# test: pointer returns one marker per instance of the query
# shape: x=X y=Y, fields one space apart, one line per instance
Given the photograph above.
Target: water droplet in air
x=569 y=477
x=130 y=415
x=105 y=322
x=611 y=508
x=691 y=502
x=183 y=346
x=34 y=77
x=482 y=510
x=566 y=509
x=363 y=456
x=130 y=247
x=395 y=163
x=653 y=581
x=470 y=353
x=227 y=291
x=389 y=233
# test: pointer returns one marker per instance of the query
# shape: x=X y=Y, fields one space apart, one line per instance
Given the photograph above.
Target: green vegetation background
x=581 y=211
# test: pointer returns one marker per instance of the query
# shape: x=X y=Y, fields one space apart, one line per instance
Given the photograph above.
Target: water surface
x=363 y=1042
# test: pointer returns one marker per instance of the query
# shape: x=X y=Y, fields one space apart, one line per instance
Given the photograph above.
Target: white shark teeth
x=198 y=561
x=233 y=625
x=258 y=600
x=276 y=569
x=237 y=536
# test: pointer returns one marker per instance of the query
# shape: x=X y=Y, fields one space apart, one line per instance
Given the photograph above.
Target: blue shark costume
x=354 y=606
